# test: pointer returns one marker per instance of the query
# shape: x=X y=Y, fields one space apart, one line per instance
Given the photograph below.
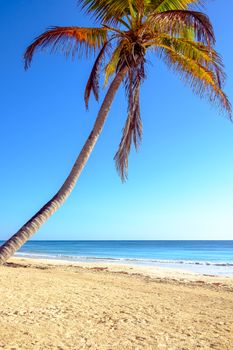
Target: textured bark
x=31 y=226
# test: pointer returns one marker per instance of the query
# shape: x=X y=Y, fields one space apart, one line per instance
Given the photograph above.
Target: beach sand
x=56 y=305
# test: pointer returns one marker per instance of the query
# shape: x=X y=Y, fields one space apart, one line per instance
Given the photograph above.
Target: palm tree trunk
x=31 y=226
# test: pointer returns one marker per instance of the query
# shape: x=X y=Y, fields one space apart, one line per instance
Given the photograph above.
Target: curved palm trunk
x=27 y=230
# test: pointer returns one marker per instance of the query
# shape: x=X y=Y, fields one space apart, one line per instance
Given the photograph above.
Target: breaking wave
x=122 y=260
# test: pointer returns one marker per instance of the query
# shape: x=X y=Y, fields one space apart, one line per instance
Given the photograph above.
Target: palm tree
x=173 y=30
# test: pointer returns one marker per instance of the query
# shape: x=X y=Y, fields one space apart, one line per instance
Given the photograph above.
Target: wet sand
x=56 y=305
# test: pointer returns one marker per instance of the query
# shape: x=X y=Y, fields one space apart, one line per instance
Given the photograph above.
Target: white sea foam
x=132 y=260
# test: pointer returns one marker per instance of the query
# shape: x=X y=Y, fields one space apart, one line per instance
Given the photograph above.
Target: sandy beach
x=56 y=305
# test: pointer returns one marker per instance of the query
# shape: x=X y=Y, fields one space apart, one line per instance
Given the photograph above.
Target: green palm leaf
x=114 y=61
x=167 y=5
x=193 y=50
x=203 y=80
x=107 y=11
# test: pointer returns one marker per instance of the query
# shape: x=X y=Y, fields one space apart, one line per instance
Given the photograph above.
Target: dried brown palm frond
x=132 y=131
x=176 y=23
x=93 y=80
x=69 y=40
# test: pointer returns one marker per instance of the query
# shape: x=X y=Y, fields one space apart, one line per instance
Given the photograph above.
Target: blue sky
x=180 y=182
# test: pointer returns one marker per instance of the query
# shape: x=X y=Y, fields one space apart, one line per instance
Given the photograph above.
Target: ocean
x=207 y=257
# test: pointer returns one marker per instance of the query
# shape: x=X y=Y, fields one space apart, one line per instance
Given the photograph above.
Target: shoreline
x=203 y=267
x=153 y=272
x=201 y=257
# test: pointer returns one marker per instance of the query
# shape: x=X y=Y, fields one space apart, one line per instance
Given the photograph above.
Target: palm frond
x=205 y=80
x=106 y=11
x=69 y=40
x=132 y=131
x=93 y=81
x=114 y=61
x=196 y=51
x=167 y=5
x=113 y=11
x=176 y=23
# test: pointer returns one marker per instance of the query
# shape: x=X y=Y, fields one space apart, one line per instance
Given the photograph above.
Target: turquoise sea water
x=208 y=257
